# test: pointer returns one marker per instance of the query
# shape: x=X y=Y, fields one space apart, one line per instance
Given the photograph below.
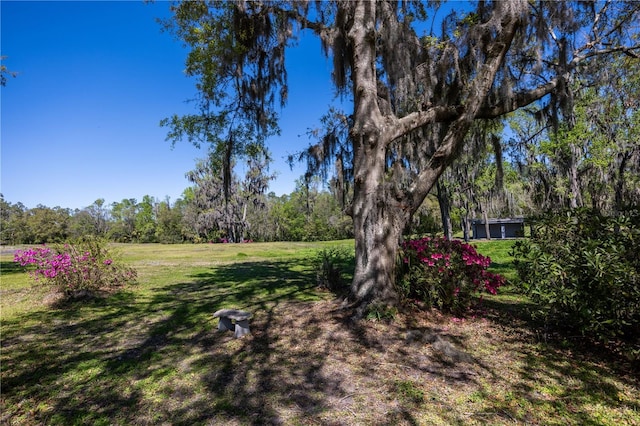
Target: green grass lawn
x=150 y=354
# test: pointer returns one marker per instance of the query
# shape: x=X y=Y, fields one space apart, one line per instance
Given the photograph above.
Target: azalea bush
x=82 y=267
x=445 y=274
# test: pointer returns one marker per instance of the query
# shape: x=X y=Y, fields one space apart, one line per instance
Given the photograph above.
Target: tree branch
x=326 y=34
x=622 y=49
x=519 y=100
x=457 y=131
x=418 y=119
x=522 y=99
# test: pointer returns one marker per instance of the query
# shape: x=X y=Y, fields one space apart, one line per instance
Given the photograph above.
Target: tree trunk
x=243 y=223
x=445 y=211
x=619 y=184
x=377 y=237
x=378 y=220
x=465 y=227
x=485 y=217
x=575 y=197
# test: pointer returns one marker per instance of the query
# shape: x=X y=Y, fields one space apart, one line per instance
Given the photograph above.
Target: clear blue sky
x=81 y=119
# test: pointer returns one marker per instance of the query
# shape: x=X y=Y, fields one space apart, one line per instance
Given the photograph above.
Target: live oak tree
x=223 y=203
x=604 y=139
x=417 y=87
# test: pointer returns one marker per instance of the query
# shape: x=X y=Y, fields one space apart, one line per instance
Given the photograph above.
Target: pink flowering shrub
x=74 y=269
x=444 y=274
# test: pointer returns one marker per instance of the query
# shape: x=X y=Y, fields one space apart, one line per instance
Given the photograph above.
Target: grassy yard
x=151 y=354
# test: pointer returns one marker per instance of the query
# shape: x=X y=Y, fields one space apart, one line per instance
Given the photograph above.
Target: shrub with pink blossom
x=82 y=267
x=445 y=274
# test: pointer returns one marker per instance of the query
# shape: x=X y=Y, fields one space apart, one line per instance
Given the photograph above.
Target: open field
x=151 y=354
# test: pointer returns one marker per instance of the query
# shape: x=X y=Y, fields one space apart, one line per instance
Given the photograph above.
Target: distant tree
x=488 y=59
x=222 y=210
x=81 y=224
x=145 y=220
x=253 y=188
x=262 y=225
x=595 y=161
x=100 y=217
x=92 y=220
x=189 y=210
x=462 y=188
x=5 y=216
x=280 y=211
x=169 y=222
x=329 y=220
x=309 y=213
x=325 y=219
x=607 y=134
x=480 y=184
x=124 y=220
x=46 y=225
x=13 y=225
x=533 y=168
x=213 y=218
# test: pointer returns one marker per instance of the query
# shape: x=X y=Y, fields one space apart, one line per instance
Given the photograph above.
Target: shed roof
x=499 y=220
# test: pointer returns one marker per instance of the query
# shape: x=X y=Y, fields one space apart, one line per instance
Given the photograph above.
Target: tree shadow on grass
x=156 y=356
x=517 y=312
x=566 y=377
x=250 y=380
x=11 y=267
x=49 y=358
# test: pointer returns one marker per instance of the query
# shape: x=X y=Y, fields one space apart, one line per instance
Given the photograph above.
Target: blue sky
x=81 y=119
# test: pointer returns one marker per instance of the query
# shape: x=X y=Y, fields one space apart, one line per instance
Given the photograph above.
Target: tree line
x=307 y=214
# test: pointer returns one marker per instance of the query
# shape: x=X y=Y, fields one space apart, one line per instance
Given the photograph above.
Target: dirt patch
x=310 y=363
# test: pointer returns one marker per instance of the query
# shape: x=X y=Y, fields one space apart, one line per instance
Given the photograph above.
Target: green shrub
x=329 y=264
x=583 y=269
x=445 y=274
